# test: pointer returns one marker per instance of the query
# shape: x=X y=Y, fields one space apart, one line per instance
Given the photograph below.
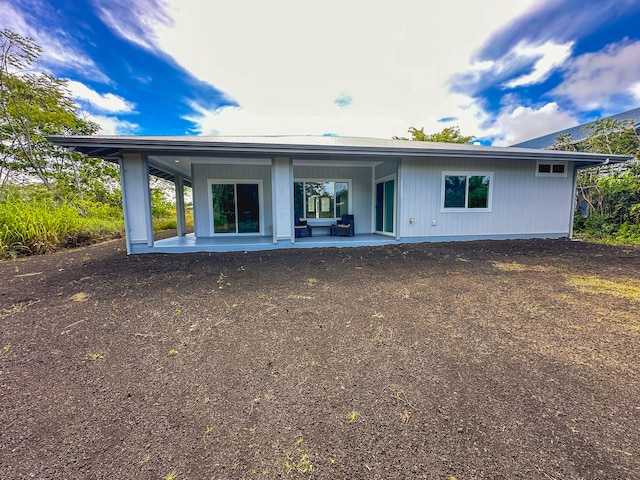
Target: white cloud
x=243 y=121
x=110 y=125
x=287 y=61
x=635 y=91
x=550 y=56
x=134 y=21
x=514 y=125
x=595 y=80
x=57 y=47
x=89 y=99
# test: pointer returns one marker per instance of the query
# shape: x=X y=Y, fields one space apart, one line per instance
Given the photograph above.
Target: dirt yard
x=478 y=360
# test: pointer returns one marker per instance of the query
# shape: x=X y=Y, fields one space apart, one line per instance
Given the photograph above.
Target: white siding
x=522 y=203
x=361 y=189
x=201 y=208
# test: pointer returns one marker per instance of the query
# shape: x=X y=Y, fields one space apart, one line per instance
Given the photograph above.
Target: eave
x=313 y=148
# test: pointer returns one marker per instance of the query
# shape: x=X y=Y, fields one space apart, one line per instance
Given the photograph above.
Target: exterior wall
x=522 y=203
x=385 y=169
x=361 y=189
x=201 y=173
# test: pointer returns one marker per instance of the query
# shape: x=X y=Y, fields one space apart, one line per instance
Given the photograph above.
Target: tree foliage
x=447 y=135
x=608 y=195
x=33 y=106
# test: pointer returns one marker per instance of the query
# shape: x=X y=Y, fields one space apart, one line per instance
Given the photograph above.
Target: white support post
x=136 y=200
x=181 y=221
x=282 y=188
x=398 y=200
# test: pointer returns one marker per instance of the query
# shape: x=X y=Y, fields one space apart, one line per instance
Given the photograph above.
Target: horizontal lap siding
x=202 y=173
x=522 y=203
x=361 y=195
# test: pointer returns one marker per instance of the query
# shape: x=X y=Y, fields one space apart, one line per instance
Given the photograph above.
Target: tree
x=33 y=106
x=611 y=192
x=447 y=135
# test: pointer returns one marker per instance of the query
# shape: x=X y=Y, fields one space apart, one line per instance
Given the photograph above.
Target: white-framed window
x=315 y=198
x=235 y=206
x=546 y=168
x=467 y=191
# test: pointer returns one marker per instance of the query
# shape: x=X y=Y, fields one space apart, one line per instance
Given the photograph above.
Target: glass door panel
x=379 y=206
x=224 y=208
x=389 y=200
x=385 y=206
x=248 y=208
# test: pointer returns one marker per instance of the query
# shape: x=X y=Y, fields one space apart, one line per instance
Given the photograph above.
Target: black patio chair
x=301 y=228
x=346 y=226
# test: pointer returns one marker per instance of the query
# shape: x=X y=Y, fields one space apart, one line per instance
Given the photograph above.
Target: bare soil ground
x=477 y=360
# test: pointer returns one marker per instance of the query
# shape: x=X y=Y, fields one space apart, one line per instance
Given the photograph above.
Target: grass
x=626 y=288
x=519 y=267
x=298 y=460
x=33 y=222
x=79 y=297
x=93 y=356
x=39 y=226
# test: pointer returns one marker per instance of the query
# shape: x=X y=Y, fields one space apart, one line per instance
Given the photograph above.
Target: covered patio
x=191 y=243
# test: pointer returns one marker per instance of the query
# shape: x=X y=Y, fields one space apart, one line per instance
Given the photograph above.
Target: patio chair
x=301 y=228
x=345 y=226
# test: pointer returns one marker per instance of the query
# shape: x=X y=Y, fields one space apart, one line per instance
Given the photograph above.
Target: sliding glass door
x=236 y=208
x=385 y=206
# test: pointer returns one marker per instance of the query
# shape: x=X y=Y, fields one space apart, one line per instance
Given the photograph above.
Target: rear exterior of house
x=247 y=191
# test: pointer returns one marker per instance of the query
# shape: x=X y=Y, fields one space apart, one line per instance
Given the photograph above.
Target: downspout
x=575 y=193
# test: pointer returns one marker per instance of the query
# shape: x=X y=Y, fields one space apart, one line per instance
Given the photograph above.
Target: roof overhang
x=305 y=148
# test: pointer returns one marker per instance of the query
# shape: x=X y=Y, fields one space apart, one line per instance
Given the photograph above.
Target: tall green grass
x=41 y=225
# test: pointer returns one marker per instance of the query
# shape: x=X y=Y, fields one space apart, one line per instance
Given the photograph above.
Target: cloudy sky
x=502 y=70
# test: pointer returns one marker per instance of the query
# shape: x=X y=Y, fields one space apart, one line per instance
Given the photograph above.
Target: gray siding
x=522 y=203
x=385 y=169
x=202 y=173
x=361 y=194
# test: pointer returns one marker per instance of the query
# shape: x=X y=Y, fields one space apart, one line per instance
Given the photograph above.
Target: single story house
x=247 y=191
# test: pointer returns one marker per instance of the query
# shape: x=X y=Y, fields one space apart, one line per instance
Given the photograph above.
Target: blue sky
x=502 y=70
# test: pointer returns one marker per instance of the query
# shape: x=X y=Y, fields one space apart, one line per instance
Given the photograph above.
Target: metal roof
x=548 y=140
x=305 y=147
